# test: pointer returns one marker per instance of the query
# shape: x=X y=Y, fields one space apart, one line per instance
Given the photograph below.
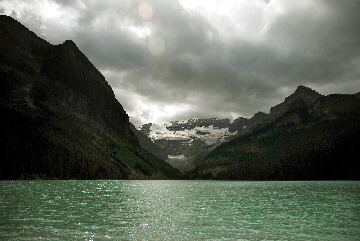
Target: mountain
x=306 y=137
x=183 y=142
x=147 y=144
x=242 y=125
x=61 y=118
x=302 y=97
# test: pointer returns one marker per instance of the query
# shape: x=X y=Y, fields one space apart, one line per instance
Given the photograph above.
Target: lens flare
x=156 y=46
x=145 y=11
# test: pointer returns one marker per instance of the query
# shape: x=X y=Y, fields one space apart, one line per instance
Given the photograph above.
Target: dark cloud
x=319 y=41
x=184 y=67
x=112 y=48
x=219 y=59
x=182 y=31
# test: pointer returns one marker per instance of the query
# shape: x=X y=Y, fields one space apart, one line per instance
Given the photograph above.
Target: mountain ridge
x=299 y=112
x=62 y=121
x=174 y=140
x=61 y=117
x=319 y=141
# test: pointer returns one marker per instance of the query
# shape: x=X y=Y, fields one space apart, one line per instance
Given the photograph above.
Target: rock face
x=84 y=91
x=62 y=119
x=303 y=138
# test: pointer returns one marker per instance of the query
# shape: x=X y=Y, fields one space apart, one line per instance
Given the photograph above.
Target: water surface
x=179 y=210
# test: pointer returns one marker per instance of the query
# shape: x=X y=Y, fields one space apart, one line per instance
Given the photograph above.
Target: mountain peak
x=303 y=87
x=69 y=43
x=302 y=97
x=302 y=90
x=307 y=95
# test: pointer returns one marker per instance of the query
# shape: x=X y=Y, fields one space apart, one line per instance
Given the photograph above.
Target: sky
x=169 y=60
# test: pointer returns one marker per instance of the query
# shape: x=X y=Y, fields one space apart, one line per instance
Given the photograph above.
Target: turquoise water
x=179 y=210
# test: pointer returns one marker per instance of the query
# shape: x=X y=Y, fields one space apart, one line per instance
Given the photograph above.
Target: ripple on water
x=179 y=210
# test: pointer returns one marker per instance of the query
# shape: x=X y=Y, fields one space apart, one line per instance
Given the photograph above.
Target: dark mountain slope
x=61 y=118
x=316 y=142
x=357 y=95
x=301 y=98
x=146 y=143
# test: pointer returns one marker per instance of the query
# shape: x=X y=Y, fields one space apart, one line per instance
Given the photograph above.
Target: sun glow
x=142 y=109
x=156 y=46
x=145 y=10
x=50 y=10
x=230 y=18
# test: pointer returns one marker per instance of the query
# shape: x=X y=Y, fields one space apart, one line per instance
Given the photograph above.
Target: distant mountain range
x=308 y=136
x=181 y=143
x=60 y=118
x=184 y=143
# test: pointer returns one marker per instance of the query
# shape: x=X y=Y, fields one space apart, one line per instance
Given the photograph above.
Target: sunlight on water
x=179 y=210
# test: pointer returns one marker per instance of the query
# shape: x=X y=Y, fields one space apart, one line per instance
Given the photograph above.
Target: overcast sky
x=176 y=59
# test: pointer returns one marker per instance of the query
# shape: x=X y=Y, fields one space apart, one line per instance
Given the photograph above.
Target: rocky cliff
x=61 y=118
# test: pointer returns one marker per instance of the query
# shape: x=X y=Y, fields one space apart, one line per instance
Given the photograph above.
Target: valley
x=61 y=120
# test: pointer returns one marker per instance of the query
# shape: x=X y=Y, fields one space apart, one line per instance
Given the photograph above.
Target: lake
x=179 y=210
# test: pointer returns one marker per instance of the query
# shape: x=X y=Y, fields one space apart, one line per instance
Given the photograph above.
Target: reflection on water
x=179 y=210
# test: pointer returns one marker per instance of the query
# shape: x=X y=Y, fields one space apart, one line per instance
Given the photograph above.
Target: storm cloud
x=173 y=60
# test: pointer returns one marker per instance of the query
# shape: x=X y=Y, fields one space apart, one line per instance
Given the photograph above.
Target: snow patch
x=209 y=134
x=177 y=157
